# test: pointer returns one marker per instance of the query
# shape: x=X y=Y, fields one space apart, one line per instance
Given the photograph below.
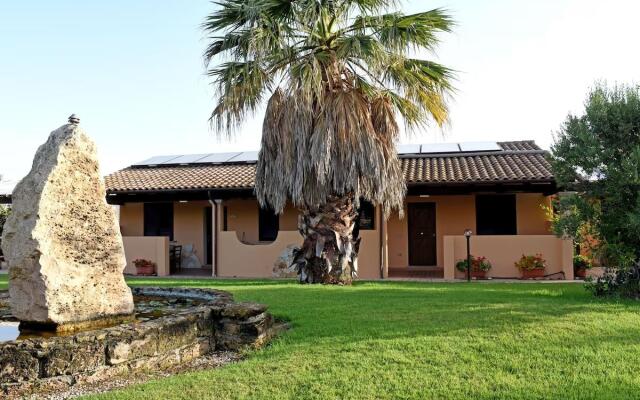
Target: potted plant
x=580 y=265
x=531 y=266
x=479 y=267
x=144 y=267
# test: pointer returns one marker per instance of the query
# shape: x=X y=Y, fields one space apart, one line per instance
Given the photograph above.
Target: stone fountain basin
x=158 y=338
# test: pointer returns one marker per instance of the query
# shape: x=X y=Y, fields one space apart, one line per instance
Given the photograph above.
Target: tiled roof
x=518 y=161
x=521 y=161
x=234 y=176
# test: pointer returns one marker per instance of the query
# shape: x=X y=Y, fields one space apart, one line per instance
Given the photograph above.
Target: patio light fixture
x=467 y=234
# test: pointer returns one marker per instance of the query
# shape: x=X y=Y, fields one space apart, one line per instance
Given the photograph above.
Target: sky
x=133 y=72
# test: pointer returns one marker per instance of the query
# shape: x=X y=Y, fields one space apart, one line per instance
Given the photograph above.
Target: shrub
x=4 y=214
x=477 y=264
x=582 y=262
x=531 y=262
x=617 y=282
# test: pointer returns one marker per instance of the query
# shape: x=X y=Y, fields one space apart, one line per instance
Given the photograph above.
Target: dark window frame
x=154 y=223
x=225 y=222
x=268 y=224
x=496 y=214
x=365 y=208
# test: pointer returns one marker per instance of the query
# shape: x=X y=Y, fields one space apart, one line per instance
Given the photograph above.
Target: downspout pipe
x=214 y=235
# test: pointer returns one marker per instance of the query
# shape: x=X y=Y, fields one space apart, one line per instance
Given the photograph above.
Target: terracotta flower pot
x=479 y=274
x=145 y=270
x=581 y=273
x=532 y=273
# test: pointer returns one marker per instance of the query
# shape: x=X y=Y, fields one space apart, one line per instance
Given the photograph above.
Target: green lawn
x=424 y=340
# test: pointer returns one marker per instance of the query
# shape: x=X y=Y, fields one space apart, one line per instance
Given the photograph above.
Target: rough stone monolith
x=62 y=241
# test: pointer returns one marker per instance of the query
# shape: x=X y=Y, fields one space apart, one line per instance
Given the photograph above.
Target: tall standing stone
x=62 y=241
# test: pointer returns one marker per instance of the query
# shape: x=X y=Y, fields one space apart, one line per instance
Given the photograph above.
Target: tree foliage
x=335 y=74
x=597 y=156
x=4 y=213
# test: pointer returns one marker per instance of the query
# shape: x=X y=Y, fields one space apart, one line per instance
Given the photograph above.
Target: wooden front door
x=422 y=234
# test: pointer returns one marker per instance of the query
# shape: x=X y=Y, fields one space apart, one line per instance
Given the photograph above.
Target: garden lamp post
x=467 y=234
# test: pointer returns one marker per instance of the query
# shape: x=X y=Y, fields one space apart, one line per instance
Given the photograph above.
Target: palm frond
x=241 y=87
x=399 y=32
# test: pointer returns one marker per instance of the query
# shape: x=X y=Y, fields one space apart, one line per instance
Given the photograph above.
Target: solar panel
x=187 y=159
x=245 y=156
x=156 y=160
x=218 y=157
x=408 y=148
x=439 y=148
x=479 y=146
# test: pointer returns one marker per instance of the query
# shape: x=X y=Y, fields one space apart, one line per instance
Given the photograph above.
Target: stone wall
x=33 y=365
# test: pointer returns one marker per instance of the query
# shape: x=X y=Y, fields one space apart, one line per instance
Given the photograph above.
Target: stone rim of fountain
x=214 y=323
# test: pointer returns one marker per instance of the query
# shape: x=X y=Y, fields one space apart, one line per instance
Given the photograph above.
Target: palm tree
x=335 y=75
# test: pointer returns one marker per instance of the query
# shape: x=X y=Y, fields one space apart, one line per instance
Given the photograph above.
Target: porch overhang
x=546 y=187
x=173 y=195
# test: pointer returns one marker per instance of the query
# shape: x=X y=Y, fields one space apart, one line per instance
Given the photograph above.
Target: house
x=497 y=190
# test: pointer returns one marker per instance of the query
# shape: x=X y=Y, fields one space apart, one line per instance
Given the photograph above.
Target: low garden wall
x=504 y=250
x=216 y=324
x=153 y=248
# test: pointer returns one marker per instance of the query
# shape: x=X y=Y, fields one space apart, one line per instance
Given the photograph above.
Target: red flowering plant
x=531 y=262
x=142 y=263
x=477 y=264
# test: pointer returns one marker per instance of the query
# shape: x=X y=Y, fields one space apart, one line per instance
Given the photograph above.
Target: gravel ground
x=209 y=361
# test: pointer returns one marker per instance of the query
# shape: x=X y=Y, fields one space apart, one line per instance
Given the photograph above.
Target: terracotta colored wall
x=504 y=251
x=132 y=219
x=289 y=219
x=242 y=217
x=369 y=256
x=531 y=216
x=237 y=259
x=152 y=248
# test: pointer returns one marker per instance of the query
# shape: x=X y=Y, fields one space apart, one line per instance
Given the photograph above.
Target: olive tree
x=596 y=156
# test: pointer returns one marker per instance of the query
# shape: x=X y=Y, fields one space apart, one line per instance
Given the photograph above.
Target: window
x=496 y=214
x=158 y=219
x=225 y=219
x=268 y=225
x=366 y=218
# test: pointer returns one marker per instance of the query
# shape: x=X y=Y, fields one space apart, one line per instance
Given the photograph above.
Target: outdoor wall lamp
x=467 y=234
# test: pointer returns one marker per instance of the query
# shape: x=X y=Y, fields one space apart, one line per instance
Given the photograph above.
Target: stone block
x=62 y=241
x=17 y=364
x=242 y=310
x=71 y=357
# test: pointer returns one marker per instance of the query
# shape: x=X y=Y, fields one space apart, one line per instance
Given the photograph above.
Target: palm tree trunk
x=329 y=252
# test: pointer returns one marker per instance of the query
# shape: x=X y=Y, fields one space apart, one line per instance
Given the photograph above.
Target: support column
x=449 y=257
x=216 y=217
x=567 y=258
x=384 y=246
